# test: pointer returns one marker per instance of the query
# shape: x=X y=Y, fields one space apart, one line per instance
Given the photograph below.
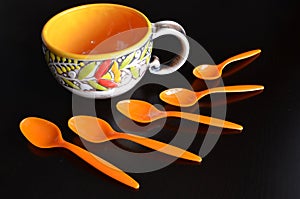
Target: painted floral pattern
x=99 y=75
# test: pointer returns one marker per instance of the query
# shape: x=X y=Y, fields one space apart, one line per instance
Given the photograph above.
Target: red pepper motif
x=106 y=83
x=102 y=69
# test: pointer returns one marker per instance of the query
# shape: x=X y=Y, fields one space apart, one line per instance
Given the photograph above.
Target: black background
x=261 y=162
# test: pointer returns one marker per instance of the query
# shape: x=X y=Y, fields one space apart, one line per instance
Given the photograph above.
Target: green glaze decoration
x=145 y=50
x=71 y=84
x=96 y=85
x=84 y=72
x=134 y=71
x=127 y=60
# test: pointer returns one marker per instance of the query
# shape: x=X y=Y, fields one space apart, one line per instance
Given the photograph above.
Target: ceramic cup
x=103 y=50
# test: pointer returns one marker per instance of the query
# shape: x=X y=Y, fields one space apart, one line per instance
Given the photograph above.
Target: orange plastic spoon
x=96 y=130
x=45 y=134
x=184 y=97
x=210 y=72
x=144 y=112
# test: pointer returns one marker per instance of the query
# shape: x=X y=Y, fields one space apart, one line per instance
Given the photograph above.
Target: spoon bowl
x=208 y=72
x=41 y=133
x=139 y=111
x=211 y=72
x=184 y=98
x=45 y=134
x=91 y=128
x=97 y=130
x=179 y=97
x=145 y=112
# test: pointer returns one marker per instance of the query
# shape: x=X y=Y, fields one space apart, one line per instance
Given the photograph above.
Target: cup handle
x=170 y=28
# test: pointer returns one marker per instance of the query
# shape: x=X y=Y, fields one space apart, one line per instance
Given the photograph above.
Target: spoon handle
x=161 y=147
x=102 y=165
x=230 y=89
x=205 y=120
x=239 y=57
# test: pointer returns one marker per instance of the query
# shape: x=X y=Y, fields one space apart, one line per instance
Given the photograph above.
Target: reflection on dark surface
x=74 y=160
x=85 y=166
x=171 y=126
x=105 y=150
x=238 y=65
x=61 y=152
x=231 y=98
x=202 y=128
x=191 y=109
x=104 y=147
x=206 y=103
x=141 y=129
x=43 y=152
x=200 y=84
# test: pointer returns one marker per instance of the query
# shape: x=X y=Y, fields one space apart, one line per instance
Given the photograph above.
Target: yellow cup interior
x=97 y=30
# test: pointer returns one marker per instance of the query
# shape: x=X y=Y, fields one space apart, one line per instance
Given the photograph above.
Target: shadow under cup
x=103 y=50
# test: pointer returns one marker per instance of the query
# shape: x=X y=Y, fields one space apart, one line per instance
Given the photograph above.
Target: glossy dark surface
x=262 y=162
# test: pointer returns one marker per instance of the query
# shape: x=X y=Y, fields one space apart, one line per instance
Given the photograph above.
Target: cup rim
x=114 y=54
